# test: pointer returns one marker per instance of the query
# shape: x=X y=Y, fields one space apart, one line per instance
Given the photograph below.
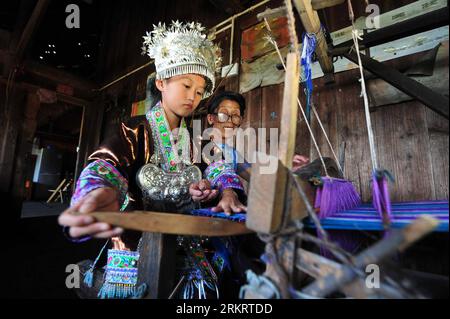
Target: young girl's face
x=182 y=94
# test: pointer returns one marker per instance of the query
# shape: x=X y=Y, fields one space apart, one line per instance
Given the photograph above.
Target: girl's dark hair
x=213 y=105
x=153 y=93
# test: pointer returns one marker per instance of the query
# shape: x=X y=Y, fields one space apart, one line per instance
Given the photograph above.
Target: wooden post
x=267 y=195
x=24 y=146
x=91 y=125
x=270 y=194
x=157 y=264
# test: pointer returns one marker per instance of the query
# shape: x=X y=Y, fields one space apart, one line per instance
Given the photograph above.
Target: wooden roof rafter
x=30 y=29
x=312 y=24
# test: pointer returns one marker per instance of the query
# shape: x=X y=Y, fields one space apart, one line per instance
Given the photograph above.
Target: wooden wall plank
x=253 y=112
x=350 y=106
x=325 y=102
x=303 y=139
x=271 y=105
x=404 y=149
x=438 y=134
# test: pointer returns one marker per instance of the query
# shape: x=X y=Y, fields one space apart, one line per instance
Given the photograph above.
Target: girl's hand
x=229 y=203
x=100 y=199
x=299 y=161
x=202 y=192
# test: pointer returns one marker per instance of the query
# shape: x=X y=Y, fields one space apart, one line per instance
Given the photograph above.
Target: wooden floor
x=42 y=209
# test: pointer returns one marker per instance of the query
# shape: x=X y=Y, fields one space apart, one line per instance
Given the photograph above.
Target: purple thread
x=336 y=195
x=381 y=198
x=318 y=197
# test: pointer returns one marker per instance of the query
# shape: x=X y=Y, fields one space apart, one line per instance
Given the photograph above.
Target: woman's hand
x=202 y=192
x=229 y=203
x=100 y=199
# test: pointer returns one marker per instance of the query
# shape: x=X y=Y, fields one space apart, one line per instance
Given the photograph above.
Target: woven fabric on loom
x=365 y=216
x=240 y=218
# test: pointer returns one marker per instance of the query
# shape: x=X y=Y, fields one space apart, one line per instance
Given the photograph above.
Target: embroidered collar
x=174 y=153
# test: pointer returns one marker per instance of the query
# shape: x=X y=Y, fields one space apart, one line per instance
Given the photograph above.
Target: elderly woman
x=225 y=113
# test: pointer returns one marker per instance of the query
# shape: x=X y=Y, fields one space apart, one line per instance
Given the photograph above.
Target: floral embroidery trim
x=221 y=175
x=164 y=140
x=99 y=174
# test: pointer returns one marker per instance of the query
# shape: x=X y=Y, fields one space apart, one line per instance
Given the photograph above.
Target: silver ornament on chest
x=157 y=184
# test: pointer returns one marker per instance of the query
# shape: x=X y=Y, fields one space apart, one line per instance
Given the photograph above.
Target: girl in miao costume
x=127 y=171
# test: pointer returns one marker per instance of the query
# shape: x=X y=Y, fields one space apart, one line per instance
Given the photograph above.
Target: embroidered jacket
x=116 y=162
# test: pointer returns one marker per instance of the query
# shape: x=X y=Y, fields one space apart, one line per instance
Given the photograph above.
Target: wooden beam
x=322 y=4
x=271 y=194
x=435 y=101
x=30 y=28
x=266 y=201
x=171 y=223
x=289 y=112
x=311 y=23
x=266 y=198
x=231 y=7
x=61 y=97
x=317 y=267
x=398 y=241
x=27 y=126
x=272 y=13
x=60 y=77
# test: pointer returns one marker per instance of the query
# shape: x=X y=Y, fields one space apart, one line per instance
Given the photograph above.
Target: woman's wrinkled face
x=226 y=118
x=182 y=94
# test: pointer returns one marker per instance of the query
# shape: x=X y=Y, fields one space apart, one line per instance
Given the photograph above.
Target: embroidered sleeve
x=101 y=174
x=221 y=175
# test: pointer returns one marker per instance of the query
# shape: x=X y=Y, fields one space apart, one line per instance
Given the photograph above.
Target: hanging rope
x=356 y=37
x=316 y=146
x=380 y=192
x=327 y=138
x=309 y=44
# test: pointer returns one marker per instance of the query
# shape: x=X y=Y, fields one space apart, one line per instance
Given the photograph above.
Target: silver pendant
x=158 y=185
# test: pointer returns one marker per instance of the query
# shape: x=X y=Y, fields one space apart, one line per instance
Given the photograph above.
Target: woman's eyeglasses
x=224 y=117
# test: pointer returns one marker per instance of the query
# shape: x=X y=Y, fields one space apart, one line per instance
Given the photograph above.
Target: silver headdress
x=182 y=49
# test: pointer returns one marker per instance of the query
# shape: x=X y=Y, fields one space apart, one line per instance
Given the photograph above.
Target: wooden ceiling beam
x=322 y=4
x=403 y=29
x=30 y=28
x=229 y=6
x=61 y=97
x=60 y=77
x=435 y=101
